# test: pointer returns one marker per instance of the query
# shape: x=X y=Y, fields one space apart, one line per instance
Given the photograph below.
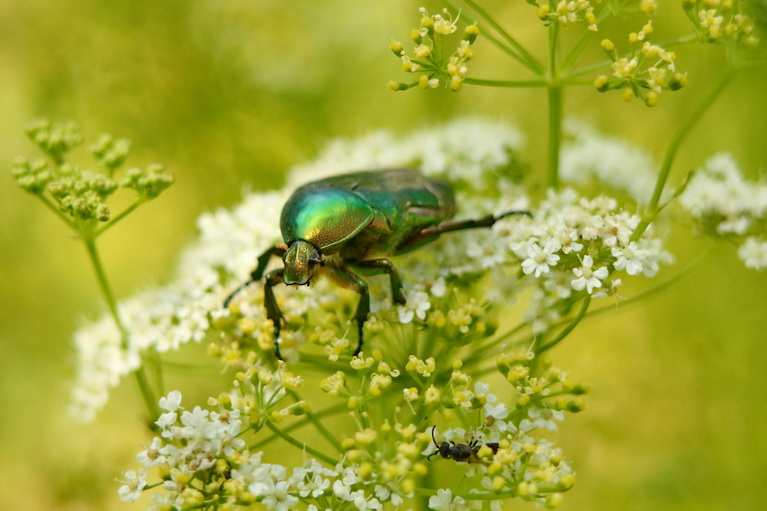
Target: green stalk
x=576 y=50
x=139 y=374
x=335 y=410
x=685 y=126
x=301 y=445
x=505 y=83
x=106 y=289
x=555 y=134
x=526 y=57
x=555 y=108
x=569 y=328
x=494 y=40
x=606 y=63
x=56 y=211
x=130 y=209
x=324 y=431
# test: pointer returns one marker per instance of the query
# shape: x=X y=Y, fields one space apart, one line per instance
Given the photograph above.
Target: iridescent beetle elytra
x=349 y=224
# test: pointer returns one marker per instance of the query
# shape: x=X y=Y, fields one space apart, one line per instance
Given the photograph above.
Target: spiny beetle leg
x=430 y=234
x=273 y=311
x=277 y=250
x=351 y=280
x=255 y=275
x=460 y=225
x=513 y=212
x=378 y=266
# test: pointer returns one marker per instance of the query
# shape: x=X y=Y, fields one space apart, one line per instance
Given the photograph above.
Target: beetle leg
x=430 y=234
x=273 y=311
x=351 y=280
x=263 y=260
x=378 y=266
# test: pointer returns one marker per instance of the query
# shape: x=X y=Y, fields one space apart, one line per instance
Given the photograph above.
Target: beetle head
x=300 y=259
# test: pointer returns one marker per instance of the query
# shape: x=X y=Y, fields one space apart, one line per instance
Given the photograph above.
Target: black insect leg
x=273 y=311
x=347 y=278
x=378 y=266
x=263 y=260
x=430 y=234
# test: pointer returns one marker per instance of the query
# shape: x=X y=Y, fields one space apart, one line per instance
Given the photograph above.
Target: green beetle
x=348 y=224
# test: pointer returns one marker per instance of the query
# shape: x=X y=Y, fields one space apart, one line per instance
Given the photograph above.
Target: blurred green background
x=229 y=95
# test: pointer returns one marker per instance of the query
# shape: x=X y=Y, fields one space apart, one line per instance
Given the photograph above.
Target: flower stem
x=569 y=328
x=555 y=108
x=320 y=426
x=505 y=83
x=525 y=57
x=106 y=289
x=685 y=126
x=119 y=217
x=301 y=445
x=139 y=374
x=555 y=134
x=335 y=410
x=56 y=211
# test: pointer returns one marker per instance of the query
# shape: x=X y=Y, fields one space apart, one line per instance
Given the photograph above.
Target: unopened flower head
x=78 y=192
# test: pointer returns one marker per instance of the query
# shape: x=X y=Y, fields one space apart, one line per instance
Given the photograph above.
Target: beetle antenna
x=432 y=436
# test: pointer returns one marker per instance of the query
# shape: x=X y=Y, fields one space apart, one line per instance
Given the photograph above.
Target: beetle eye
x=316 y=258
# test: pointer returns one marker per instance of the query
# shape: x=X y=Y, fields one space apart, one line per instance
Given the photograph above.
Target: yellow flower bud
x=471 y=33
x=678 y=81
x=553 y=501
x=647 y=29
x=602 y=83
x=365 y=470
x=396 y=47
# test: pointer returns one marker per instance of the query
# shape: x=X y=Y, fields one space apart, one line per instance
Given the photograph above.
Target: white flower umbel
x=591 y=157
x=753 y=252
x=420 y=359
x=726 y=205
x=166 y=318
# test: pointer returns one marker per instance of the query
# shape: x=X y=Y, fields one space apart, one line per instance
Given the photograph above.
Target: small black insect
x=460 y=452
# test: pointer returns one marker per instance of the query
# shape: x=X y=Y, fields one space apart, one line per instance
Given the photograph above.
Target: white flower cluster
x=725 y=204
x=203 y=459
x=516 y=462
x=189 y=442
x=589 y=156
x=165 y=318
x=572 y=245
x=470 y=152
x=200 y=446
